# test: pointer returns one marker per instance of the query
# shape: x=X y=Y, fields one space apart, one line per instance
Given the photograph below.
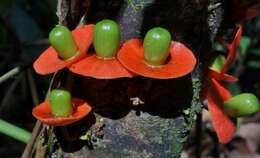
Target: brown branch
x=13 y=72
x=33 y=89
x=78 y=9
x=30 y=144
x=62 y=11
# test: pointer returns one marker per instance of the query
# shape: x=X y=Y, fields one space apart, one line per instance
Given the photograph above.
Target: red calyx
x=232 y=49
x=221 y=77
x=49 y=61
x=43 y=113
x=99 y=68
x=181 y=61
x=222 y=123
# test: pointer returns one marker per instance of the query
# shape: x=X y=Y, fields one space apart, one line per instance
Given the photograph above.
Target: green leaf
x=254 y=64
x=14 y=131
x=244 y=45
x=255 y=52
x=218 y=47
x=26 y=29
x=218 y=63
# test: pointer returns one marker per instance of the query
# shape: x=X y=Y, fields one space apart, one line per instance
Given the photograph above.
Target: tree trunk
x=159 y=127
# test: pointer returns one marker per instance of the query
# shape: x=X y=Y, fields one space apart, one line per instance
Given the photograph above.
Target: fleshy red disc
x=181 y=61
x=222 y=123
x=95 y=67
x=43 y=113
x=49 y=61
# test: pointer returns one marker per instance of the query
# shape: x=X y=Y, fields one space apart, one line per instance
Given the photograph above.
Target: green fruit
x=106 y=38
x=218 y=63
x=61 y=105
x=242 y=105
x=157 y=42
x=62 y=41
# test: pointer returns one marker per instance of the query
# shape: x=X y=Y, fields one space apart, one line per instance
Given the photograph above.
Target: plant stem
x=14 y=131
x=33 y=87
x=11 y=89
x=10 y=74
x=198 y=135
x=13 y=72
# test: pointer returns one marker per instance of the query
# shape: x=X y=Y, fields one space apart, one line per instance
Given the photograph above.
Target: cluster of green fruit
x=107 y=41
x=106 y=44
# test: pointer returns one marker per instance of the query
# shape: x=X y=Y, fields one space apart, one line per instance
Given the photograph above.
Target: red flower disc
x=49 y=61
x=181 y=61
x=93 y=66
x=222 y=123
x=43 y=113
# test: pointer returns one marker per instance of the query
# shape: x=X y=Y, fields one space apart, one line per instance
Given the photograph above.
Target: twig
x=39 y=42
x=84 y=19
x=59 y=11
x=33 y=89
x=62 y=11
x=13 y=72
x=29 y=146
x=10 y=74
x=10 y=91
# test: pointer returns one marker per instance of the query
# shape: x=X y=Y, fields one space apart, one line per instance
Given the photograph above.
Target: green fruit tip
x=244 y=104
x=61 y=105
x=63 y=42
x=218 y=63
x=157 y=43
x=106 y=38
